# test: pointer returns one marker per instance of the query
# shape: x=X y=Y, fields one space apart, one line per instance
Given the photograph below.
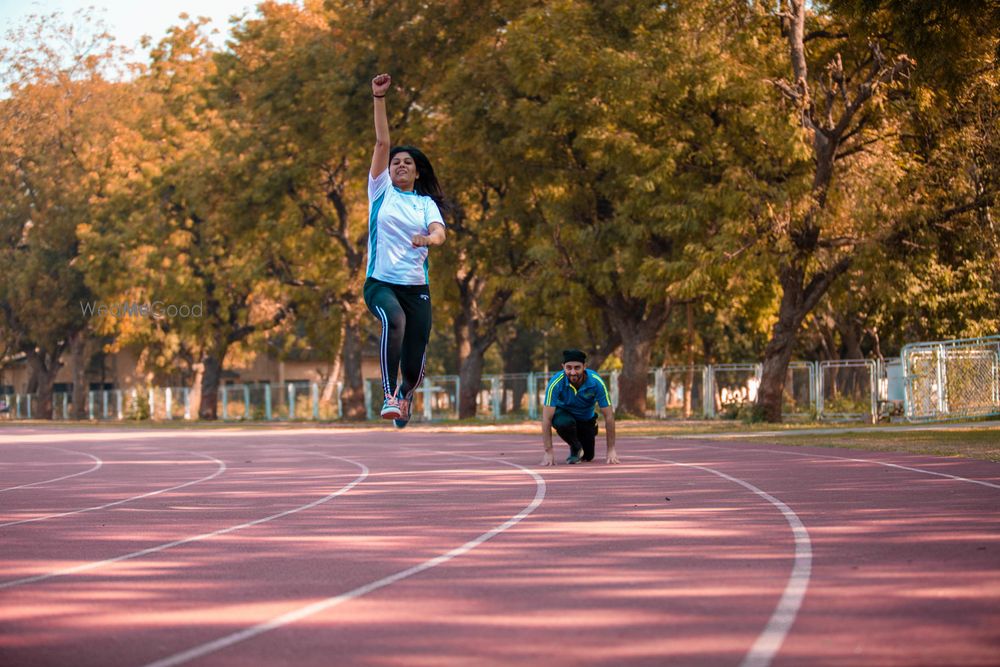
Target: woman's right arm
x=380 y=158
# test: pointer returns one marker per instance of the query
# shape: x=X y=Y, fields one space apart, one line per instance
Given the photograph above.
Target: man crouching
x=570 y=399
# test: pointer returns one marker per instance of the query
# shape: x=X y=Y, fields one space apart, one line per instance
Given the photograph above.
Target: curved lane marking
x=323 y=605
x=771 y=638
x=848 y=458
x=221 y=468
x=197 y=538
x=97 y=464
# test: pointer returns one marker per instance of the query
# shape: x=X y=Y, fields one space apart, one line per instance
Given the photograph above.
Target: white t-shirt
x=394 y=217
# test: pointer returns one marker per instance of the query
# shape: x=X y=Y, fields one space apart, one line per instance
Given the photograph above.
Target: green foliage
x=951 y=40
x=138 y=409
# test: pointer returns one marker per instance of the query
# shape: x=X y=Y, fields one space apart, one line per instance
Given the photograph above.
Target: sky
x=128 y=20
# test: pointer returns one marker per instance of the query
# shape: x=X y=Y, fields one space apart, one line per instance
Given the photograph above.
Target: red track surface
x=325 y=547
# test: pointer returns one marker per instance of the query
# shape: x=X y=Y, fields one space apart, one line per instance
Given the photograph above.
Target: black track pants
x=405 y=314
x=577 y=434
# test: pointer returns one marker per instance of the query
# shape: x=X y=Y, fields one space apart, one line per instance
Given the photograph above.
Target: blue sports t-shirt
x=578 y=402
x=394 y=216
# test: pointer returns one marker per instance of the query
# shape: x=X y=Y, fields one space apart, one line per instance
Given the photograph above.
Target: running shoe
x=390 y=408
x=404 y=413
x=574 y=457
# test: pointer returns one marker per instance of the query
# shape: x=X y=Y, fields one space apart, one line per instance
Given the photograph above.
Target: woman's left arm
x=435 y=236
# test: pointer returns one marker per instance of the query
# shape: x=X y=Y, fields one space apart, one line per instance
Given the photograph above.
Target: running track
x=372 y=547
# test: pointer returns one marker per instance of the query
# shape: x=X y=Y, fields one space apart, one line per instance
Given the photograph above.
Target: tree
x=180 y=224
x=635 y=141
x=878 y=146
x=301 y=80
x=487 y=255
x=811 y=244
x=57 y=155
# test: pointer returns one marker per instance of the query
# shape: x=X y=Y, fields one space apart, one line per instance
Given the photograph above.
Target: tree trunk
x=851 y=331
x=828 y=350
x=470 y=374
x=335 y=369
x=195 y=396
x=80 y=354
x=476 y=326
x=353 y=396
x=471 y=348
x=211 y=377
x=517 y=355
x=779 y=349
x=798 y=299
x=777 y=354
x=689 y=373
x=44 y=368
x=634 y=379
x=638 y=328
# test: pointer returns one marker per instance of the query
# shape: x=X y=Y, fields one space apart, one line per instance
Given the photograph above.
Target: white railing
x=934 y=380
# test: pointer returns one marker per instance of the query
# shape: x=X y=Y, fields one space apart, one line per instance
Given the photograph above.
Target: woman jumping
x=404 y=218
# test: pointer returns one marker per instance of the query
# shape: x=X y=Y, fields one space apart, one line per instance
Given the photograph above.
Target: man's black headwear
x=574 y=355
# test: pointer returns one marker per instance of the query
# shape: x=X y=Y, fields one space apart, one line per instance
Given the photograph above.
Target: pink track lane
x=21 y=467
x=113 y=482
x=606 y=571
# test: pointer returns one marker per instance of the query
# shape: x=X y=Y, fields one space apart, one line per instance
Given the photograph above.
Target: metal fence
x=674 y=392
x=679 y=392
x=955 y=379
x=729 y=388
x=257 y=402
x=847 y=390
x=799 y=400
x=937 y=380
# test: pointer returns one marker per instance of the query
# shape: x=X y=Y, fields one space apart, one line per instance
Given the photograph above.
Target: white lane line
x=97 y=464
x=218 y=471
x=204 y=536
x=771 y=638
x=323 y=605
x=847 y=458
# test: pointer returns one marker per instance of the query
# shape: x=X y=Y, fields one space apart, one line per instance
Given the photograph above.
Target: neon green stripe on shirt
x=607 y=394
x=552 y=386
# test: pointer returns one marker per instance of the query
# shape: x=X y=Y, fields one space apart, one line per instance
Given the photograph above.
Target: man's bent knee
x=563 y=421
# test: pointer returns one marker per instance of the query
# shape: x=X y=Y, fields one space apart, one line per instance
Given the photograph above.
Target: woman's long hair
x=427 y=184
